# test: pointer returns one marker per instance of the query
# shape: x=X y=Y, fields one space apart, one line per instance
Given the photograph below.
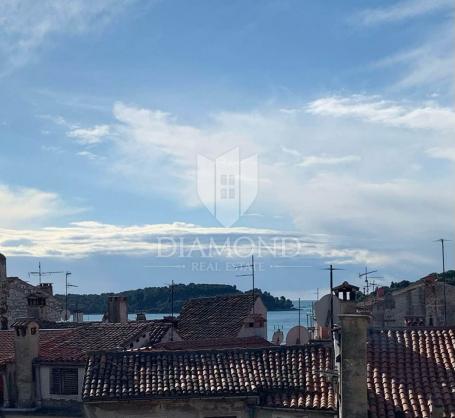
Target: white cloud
x=447 y=153
x=429 y=64
x=377 y=110
x=387 y=199
x=87 y=154
x=314 y=160
x=25 y=206
x=89 y=136
x=27 y=25
x=402 y=10
x=178 y=241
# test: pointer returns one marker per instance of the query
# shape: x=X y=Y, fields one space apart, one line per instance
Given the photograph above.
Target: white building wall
x=45 y=383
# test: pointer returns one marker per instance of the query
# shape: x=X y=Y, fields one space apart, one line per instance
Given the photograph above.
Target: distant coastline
x=158 y=299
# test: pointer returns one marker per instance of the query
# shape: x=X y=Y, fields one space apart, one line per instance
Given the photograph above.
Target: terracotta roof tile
x=409 y=370
x=215 y=317
x=73 y=344
x=280 y=376
x=209 y=343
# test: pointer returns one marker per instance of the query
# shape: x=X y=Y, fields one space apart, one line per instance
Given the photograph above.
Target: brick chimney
x=353 y=365
x=117 y=309
x=26 y=348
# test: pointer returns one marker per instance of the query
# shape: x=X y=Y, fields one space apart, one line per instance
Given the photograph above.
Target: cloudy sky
x=107 y=105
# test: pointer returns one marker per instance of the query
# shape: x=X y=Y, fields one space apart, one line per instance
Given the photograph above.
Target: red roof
x=48 y=340
x=73 y=344
x=285 y=373
x=211 y=343
x=409 y=370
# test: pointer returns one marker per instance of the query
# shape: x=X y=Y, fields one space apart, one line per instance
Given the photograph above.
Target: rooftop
x=409 y=370
x=280 y=376
x=216 y=317
x=209 y=343
x=73 y=344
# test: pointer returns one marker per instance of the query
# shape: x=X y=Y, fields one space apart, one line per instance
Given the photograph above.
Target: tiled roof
x=215 y=317
x=47 y=338
x=73 y=344
x=286 y=372
x=210 y=343
x=6 y=347
x=410 y=369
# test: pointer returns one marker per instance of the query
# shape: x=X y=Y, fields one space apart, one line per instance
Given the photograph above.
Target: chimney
x=47 y=287
x=26 y=348
x=346 y=293
x=140 y=316
x=2 y=267
x=117 y=309
x=353 y=367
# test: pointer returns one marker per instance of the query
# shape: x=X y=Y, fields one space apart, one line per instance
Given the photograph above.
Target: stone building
x=419 y=304
x=44 y=368
x=239 y=383
x=19 y=299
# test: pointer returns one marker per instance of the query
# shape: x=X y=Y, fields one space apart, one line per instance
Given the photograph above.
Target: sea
x=284 y=320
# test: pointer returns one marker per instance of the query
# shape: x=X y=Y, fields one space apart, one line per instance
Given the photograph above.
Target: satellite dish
x=278 y=337
x=297 y=335
x=322 y=310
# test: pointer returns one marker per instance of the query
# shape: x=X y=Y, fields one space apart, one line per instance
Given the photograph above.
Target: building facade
x=19 y=299
x=427 y=302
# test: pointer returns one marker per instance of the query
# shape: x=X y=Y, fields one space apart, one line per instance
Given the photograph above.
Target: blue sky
x=106 y=106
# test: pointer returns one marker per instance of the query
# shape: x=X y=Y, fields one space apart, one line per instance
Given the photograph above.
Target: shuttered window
x=64 y=381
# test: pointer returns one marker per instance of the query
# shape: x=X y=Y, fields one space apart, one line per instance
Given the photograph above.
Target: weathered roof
x=210 y=343
x=216 y=317
x=345 y=286
x=410 y=369
x=73 y=344
x=284 y=371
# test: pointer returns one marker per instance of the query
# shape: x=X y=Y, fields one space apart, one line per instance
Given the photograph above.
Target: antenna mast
x=40 y=273
x=331 y=269
x=366 y=288
x=251 y=266
x=442 y=241
x=68 y=273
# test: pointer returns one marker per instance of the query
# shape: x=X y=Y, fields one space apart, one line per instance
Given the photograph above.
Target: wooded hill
x=158 y=299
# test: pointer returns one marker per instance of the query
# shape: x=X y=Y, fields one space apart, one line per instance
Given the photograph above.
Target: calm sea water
x=282 y=319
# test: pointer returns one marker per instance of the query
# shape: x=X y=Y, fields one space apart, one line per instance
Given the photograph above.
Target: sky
x=108 y=106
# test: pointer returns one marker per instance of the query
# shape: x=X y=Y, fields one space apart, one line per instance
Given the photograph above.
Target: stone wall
x=192 y=408
x=425 y=300
x=17 y=291
x=212 y=408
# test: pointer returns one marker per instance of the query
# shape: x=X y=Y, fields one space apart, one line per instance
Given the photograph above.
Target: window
x=227 y=189
x=64 y=381
x=36 y=301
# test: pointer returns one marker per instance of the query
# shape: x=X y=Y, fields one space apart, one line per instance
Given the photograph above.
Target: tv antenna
x=442 y=241
x=41 y=273
x=68 y=273
x=366 y=288
x=250 y=274
x=331 y=269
